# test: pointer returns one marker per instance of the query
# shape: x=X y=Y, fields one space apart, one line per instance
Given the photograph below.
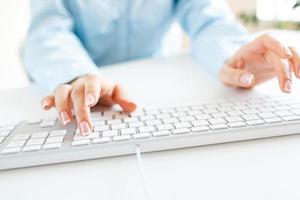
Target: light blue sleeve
x=214 y=33
x=53 y=54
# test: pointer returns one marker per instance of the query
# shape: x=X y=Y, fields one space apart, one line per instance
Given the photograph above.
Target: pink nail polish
x=89 y=100
x=246 y=78
x=85 y=128
x=288 y=86
x=64 y=116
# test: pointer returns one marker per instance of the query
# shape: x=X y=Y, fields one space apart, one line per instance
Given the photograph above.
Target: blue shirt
x=71 y=38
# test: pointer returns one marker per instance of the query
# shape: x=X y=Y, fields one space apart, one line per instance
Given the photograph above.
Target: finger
x=119 y=97
x=92 y=90
x=236 y=77
x=295 y=60
x=266 y=42
x=81 y=111
x=47 y=102
x=62 y=103
x=282 y=69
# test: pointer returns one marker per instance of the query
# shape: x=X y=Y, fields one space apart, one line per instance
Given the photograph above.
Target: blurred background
x=256 y=15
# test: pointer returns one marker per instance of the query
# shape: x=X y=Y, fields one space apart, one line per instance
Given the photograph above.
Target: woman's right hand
x=82 y=94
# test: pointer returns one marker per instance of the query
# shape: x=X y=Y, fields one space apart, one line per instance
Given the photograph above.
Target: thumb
x=236 y=77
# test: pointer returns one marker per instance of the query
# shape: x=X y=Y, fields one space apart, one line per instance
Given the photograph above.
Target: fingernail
x=45 y=105
x=89 y=100
x=85 y=128
x=288 y=52
x=287 y=86
x=246 y=78
x=64 y=116
x=299 y=71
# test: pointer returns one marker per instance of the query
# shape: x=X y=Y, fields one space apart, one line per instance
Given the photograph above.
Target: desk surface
x=259 y=169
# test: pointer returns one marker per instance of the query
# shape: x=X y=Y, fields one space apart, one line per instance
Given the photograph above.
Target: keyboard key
x=99 y=123
x=204 y=116
x=153 y=122
x=58 y=133
x=101 y=140
x=255 y=122
x=135 y=124
x=273 y=120
x=216 y=121
x=47 y=123
x=267 y=115
x=200 y=123
x=179 y=114
x=181 y=131
x=147 y=117
x=141 y=135
x=19 y=143
x=131 y=119
x=234 y=119
x=101 y=128
x=186 y=119
x=167 y=110
x=183 y=125
x=161 y=133
x=32 y=148
x=146 y=129
x=40 y=135
x=194 y=112
x=4 y=133
x=291 y=118
x=57 y=139
x=52 y=146
x=237 y=124
x=118 y=126
x=219 y=115
x=22 y=137
x=121 y=138
x=128 y=131
x=35 y=141
x=170 y=120
x=200 y=129
x=163 y=116
x=250 y=117
x=218 y=126
x=114 y=121
x=165 y=127
x=235 y=113
x=109 y=133
x=283 y=113
x=11 y=150
x=81 y=142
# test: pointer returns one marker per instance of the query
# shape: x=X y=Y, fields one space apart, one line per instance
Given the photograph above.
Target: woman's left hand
x=259 y=61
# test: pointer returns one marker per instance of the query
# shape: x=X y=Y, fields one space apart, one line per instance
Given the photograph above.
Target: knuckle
x=62 y=88
x=76 y=92
x=81 y=113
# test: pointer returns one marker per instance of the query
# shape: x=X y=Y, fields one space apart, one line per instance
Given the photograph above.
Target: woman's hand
x=261 y=60
x=83 y=93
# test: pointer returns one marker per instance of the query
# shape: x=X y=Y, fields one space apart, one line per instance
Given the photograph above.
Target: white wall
x=14 y=19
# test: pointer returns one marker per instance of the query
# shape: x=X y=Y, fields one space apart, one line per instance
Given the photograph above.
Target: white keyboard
x=40 y=142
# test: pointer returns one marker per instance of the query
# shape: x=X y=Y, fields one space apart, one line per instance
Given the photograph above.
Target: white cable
x=146 y=187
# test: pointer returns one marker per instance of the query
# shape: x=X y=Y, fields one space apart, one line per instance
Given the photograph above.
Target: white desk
x=265 y=169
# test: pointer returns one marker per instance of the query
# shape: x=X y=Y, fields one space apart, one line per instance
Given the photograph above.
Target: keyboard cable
x=146 y=187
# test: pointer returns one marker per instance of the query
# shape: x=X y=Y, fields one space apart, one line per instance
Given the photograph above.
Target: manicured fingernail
x=246 y=78
x=85 y=128
x=89 y=100
x=64 y=116
x=287 y=86
x=45 y=105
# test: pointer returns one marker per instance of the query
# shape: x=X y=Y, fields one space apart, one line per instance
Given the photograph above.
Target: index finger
x=266 y=43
